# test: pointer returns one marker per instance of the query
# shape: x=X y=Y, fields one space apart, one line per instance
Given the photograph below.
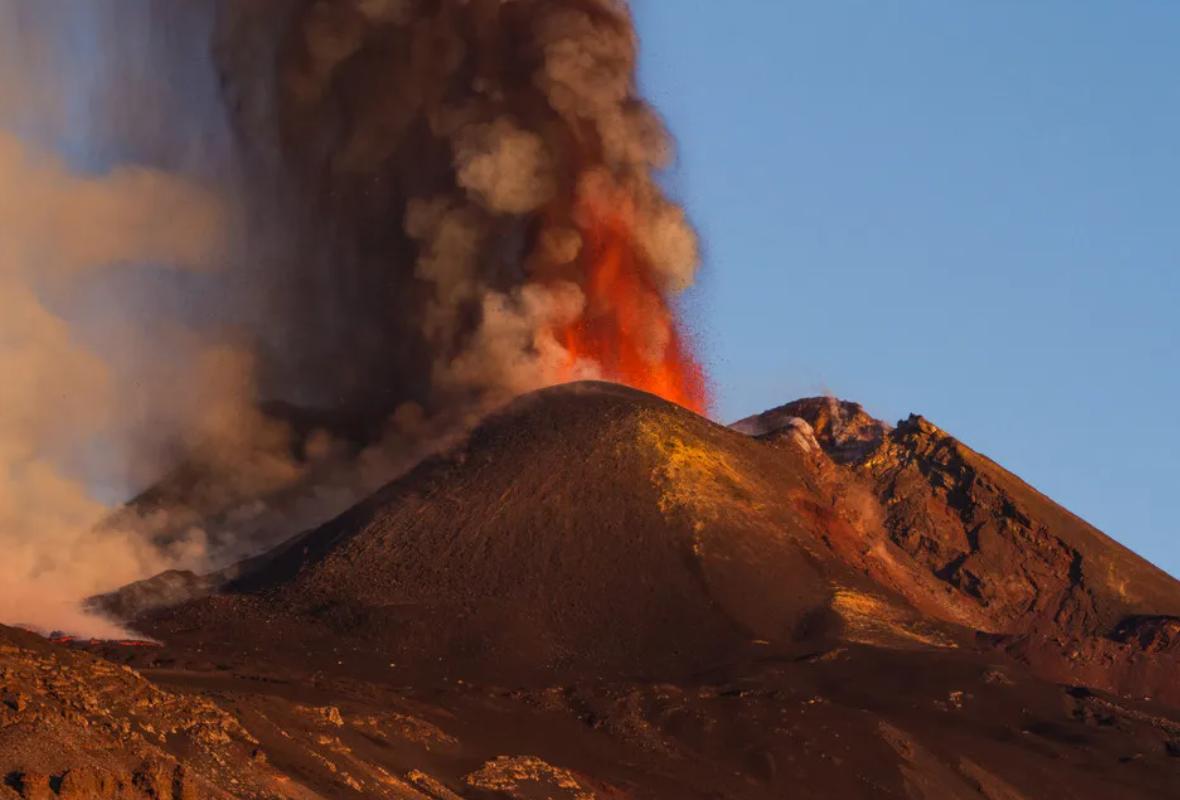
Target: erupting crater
x=629 y=327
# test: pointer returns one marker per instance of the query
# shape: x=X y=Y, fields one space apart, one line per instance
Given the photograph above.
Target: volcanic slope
x=80 y=727
x=592 y=527
x=587 y=527
x=603 y=595
x=967 y=541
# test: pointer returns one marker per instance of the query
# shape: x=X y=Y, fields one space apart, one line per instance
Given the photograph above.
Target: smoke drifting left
x=275 y=251
x=58 y=395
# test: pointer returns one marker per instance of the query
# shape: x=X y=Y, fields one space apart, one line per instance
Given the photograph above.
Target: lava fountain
x=629 y=326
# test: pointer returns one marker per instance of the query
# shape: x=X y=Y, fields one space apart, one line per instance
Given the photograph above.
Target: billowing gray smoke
x=284 y=247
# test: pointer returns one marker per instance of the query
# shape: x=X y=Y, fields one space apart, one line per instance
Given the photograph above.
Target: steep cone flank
x=588 y=525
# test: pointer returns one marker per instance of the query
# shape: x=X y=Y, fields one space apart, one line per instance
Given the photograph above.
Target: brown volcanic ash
x=471 y=189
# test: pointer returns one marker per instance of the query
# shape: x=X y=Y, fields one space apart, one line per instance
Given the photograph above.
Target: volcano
x=602 y=594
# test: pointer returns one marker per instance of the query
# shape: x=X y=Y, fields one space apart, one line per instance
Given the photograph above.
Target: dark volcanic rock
x=75 y=726
x=1151 y=634
x=1017 y=564
x=970 y=543
x=845 y=430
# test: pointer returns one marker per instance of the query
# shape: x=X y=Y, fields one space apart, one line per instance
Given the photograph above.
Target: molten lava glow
x=629 y=328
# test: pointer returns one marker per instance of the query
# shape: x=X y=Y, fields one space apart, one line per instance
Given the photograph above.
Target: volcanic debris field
x=600 y=594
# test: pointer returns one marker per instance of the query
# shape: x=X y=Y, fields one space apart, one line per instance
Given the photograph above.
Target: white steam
x=56 y=393
x=109 y=200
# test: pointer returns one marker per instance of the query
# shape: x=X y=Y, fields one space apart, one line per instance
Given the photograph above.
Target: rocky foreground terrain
x=601 y=595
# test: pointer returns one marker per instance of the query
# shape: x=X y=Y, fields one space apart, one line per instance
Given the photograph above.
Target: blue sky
x=962 y=209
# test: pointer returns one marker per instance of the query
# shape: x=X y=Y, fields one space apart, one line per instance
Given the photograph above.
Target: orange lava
x=629 y=327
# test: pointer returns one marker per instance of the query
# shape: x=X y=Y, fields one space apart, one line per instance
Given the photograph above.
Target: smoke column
x=479 y=177
x=259 y=257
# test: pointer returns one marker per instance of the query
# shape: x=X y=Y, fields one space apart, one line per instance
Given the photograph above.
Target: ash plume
x=453 y=164
x=337 y=232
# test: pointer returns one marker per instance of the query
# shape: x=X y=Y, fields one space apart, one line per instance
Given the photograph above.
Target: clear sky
x=969 y=210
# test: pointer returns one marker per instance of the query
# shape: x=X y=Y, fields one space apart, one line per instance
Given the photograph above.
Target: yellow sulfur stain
x=693 y=476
